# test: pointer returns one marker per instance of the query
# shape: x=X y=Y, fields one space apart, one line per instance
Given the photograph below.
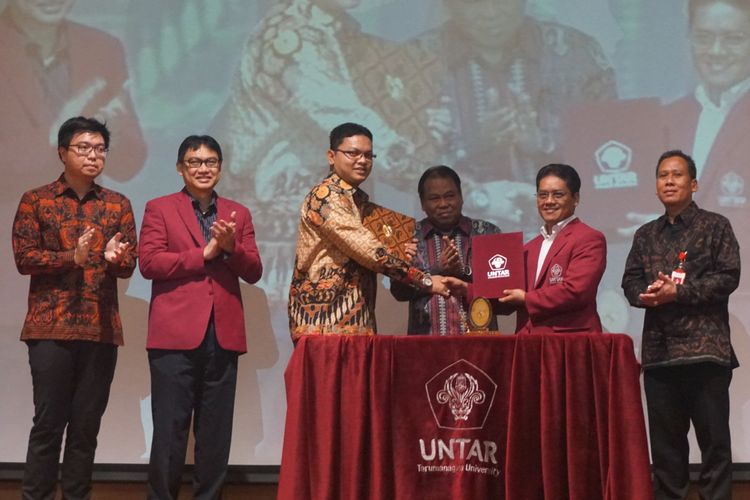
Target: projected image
x=493 y=88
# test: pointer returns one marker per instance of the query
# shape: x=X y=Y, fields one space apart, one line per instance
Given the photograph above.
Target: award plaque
x=394 y=230
x=480 y=315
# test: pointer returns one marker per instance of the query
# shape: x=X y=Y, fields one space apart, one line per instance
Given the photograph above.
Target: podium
x=483 y=417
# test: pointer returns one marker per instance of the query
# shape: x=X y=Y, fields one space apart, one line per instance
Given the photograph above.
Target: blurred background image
x=494 y=88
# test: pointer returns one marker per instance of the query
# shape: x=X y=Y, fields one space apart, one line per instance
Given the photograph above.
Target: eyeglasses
x=195 y=163
x=732 y=40
x=356 y=154
x=556 y=195
x=84 y=148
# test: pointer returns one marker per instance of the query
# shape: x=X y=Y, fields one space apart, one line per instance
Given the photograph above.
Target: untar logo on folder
x=497 y=264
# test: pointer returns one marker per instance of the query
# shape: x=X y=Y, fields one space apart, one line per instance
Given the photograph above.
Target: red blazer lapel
x=732 y=132
x=19 y=67
x=187 y=214
x=561 y=240
x=532 y=259
x=223 y=211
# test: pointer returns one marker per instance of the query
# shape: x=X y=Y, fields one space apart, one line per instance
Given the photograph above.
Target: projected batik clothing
x=434 y=314
x=547 y=66
x=309 y=68
x=333 y=287
x=68 y=302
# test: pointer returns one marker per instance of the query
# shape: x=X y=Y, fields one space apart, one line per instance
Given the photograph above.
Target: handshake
x=448 y=285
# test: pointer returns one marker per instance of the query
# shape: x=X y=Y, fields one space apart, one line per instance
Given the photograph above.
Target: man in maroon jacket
x=564 y=264
x=195 y=247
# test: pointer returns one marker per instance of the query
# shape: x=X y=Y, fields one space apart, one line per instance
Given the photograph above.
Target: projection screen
x=495 y=88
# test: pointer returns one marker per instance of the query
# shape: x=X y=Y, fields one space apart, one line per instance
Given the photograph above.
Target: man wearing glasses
x=564 y=264
x=195 y=246
x=711 y=123
x=337 y=258
x=74 y=238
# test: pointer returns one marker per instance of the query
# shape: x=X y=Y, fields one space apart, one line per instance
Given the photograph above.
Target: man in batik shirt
x=687 y=353
x=333 y=286
x=75 y=238
x=443 y=247
x=507 y=80
x=308 y=67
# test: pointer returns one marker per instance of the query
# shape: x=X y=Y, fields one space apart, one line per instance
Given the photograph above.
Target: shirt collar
x=60 y=186
x=556 y=228
x=196 y=204
x=357 y=193
x=458 y=48
x=32 y=48
x=727 y=99
x=428 y=229
x=686 y=216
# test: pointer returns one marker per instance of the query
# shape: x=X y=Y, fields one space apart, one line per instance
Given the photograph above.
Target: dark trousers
x=71 y=381
x=675 y=396
x=199 y=383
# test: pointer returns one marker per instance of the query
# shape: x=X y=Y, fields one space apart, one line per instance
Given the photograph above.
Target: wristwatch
x=426 y=281
x=467 y=270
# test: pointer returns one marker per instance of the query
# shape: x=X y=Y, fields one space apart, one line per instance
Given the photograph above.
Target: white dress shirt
x=712 y=118
x=549 y=238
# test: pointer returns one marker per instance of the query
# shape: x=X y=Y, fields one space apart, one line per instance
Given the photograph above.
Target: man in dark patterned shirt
x=75 y=238
x=444 y=248
x=687 y=355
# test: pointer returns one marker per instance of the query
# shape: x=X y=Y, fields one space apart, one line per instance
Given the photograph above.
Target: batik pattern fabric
x=66 y=301
x=333 y=286
x=306 y=69
x=435 y=314
x=695 y=327
x=548 y=67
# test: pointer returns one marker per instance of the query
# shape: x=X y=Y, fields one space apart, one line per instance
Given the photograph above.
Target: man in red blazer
x=711 y=122
x=195 y=246
x=563 y=265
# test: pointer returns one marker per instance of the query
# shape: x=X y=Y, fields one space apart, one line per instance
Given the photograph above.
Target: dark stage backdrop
x=493 y=88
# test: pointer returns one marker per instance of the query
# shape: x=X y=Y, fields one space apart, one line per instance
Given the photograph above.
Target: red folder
x=497 y=264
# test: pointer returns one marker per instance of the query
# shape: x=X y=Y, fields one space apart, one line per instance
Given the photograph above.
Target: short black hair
x=78 y=124
x=692 y=171
x=341 y=132
x=564 y=172
x=694 y=5
x=440 y=172
x=193 y=142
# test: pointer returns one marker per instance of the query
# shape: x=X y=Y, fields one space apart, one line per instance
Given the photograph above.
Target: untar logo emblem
x=498 y=269
x=461 y=396
x=614 y=160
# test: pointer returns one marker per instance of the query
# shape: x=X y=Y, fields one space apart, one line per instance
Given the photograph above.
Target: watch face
x=480 y=313
x=427 y=281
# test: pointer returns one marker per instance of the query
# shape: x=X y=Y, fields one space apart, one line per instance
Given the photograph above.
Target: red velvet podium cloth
x=482 y=417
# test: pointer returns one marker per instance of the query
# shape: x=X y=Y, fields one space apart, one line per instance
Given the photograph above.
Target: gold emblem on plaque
x=388 y=234
x=480 y=315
